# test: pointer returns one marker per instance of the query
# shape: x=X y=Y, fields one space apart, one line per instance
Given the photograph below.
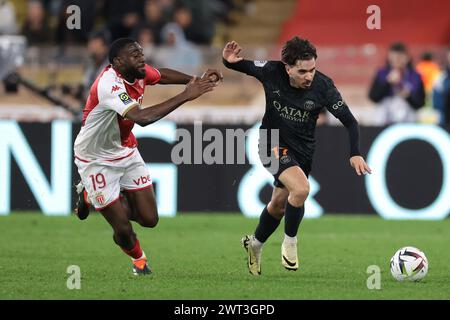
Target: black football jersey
x=293 y=111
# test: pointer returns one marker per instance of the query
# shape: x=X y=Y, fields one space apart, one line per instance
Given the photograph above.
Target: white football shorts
x=104 y=180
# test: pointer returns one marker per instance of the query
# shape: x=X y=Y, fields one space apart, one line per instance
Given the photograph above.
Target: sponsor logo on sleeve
x=260 y=63
x=125 y=98
x=338 y=104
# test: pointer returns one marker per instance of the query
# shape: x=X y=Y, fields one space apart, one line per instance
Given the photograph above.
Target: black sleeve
x=336 y=105
x=349 y=121
x=379 y=89
x=256 y=69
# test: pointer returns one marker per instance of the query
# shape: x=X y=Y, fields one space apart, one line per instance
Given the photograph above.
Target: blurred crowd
x=179 y=27
x=171 y=32
x=44 y=21
x=401 y=89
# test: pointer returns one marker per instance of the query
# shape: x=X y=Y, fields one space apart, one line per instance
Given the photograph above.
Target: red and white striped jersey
x=105 y=133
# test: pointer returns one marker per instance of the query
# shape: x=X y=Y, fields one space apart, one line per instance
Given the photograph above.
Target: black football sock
x=292 y=218
x=267 y=225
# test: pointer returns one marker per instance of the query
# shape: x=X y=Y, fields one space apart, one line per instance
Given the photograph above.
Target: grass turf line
x=198 y=256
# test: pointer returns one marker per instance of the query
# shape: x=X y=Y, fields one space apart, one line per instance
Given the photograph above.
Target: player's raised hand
x=360 y=166
x=197 y=86
x=231 y=52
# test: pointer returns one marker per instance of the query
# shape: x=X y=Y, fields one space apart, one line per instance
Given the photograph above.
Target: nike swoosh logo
x=290 y=264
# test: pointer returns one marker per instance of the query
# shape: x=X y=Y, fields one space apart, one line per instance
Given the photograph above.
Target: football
x=409 y=263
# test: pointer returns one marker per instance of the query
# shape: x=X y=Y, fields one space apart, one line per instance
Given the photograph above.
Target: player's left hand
x=214 y=75
x=360 y=166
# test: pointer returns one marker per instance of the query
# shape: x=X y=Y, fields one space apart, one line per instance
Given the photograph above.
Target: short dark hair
x=398 y=47
x=297 y=49
x=427 y=56
x=117 y=46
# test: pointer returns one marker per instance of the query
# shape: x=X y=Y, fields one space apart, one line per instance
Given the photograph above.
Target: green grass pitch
x=198 y=256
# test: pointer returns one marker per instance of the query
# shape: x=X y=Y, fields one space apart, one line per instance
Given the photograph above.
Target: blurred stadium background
x=46 y=70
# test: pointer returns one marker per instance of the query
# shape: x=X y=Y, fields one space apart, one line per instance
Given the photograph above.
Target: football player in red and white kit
x=114 y=177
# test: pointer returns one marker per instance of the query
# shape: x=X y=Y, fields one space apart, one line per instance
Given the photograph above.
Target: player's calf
x=276 y=208
x=124 y=236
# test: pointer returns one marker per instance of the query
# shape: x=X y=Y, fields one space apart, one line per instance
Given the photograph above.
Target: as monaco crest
x=100 y=199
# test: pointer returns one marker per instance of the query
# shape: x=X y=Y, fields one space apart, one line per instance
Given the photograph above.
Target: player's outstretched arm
x=194 y=89
x=170 y=76
x=231 y=58
x=350 y=123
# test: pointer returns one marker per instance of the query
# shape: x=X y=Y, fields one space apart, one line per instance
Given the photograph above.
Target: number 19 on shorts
x=98 y=181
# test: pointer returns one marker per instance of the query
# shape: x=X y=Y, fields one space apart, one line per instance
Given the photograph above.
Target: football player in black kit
x=295 y=95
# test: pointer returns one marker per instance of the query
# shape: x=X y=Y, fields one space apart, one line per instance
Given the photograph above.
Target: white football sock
x=257 y=244
x=289 y=240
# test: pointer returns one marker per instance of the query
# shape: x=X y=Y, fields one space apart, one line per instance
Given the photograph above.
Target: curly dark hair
x=297 y=49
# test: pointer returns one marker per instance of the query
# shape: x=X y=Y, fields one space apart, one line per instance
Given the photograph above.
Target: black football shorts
x=281 y=158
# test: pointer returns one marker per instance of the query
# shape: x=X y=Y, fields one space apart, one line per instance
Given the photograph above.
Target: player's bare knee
x=298 y=195
x=149 y=222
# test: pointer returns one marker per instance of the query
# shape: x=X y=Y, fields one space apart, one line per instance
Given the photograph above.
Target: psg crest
x=285 y=159
x=309 y=105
